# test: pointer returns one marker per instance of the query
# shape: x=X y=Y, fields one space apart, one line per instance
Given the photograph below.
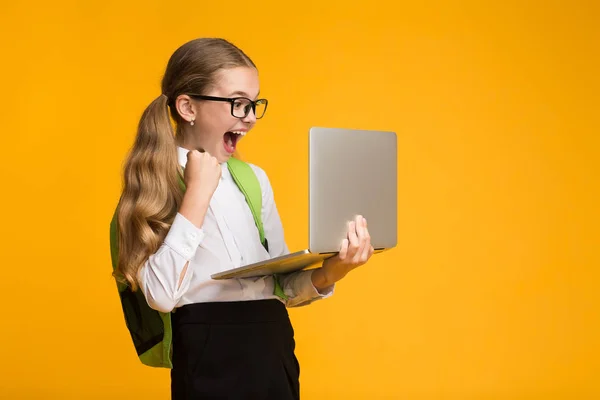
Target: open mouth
x=230 y=140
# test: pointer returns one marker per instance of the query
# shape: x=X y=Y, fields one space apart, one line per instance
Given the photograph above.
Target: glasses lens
x=242 y=107
x=261 y=107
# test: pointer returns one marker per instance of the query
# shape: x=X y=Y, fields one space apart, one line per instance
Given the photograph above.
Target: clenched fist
x=202 y=172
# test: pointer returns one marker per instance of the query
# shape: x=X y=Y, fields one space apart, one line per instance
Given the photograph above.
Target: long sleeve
x=160 y=275
x=297 y=286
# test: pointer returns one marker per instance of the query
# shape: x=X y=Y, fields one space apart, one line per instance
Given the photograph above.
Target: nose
x=250 y=118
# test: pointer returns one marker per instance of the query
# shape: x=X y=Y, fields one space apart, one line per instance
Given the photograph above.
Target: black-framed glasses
x=240 y=106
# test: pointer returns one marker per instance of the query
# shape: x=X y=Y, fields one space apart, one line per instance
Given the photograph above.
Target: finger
x=366 y=254
x=207 y=157
x=363 y=233
x=353 y=239
x=360 y=231
x=344 y=249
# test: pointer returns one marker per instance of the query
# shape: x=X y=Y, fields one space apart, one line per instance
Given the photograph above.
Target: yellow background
x=492 y=292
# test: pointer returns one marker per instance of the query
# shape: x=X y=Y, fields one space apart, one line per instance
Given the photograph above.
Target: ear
x=185 y=107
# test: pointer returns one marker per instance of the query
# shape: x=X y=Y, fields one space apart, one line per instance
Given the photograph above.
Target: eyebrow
x=240 y=93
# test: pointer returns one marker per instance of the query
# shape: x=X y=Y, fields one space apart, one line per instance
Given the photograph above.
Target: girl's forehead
x=237 y=81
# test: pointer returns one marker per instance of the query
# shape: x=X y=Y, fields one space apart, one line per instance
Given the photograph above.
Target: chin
x=224 y=157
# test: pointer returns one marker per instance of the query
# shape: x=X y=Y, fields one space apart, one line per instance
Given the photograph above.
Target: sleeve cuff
x=305 y=291
x=184 y=237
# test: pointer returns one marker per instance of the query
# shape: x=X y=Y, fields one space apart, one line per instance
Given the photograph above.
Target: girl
x=231 y=339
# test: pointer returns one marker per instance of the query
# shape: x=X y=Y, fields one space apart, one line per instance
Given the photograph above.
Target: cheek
x=215 y=123
x=220 y=125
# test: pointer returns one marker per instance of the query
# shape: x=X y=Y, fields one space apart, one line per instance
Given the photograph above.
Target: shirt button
x=187 y=250
x=193 y=235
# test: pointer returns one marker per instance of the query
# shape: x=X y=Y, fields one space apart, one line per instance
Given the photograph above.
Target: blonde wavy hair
x=152 y=191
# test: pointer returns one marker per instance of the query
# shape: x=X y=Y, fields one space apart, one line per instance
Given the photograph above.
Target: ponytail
x=151 y=192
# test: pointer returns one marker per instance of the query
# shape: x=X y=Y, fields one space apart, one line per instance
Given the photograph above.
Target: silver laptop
x=351 y=172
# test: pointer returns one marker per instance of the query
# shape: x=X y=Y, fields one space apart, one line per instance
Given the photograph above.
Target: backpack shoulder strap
x=246 y=180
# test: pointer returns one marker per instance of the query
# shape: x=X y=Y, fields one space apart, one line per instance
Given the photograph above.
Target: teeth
x=239 y=133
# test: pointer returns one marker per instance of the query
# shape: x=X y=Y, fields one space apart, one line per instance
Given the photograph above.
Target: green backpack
x=151 y=330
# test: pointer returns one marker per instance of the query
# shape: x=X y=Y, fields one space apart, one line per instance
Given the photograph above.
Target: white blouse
x=228 y=239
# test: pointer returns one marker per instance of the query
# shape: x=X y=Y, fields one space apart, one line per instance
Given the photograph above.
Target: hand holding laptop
x=355 y=251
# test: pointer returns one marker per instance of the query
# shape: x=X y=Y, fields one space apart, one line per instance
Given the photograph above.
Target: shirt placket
x=218 y=208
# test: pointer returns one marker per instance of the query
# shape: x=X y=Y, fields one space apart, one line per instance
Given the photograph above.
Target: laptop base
x=296 y=261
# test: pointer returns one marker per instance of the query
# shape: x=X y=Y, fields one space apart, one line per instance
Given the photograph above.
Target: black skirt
x=234 y=350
